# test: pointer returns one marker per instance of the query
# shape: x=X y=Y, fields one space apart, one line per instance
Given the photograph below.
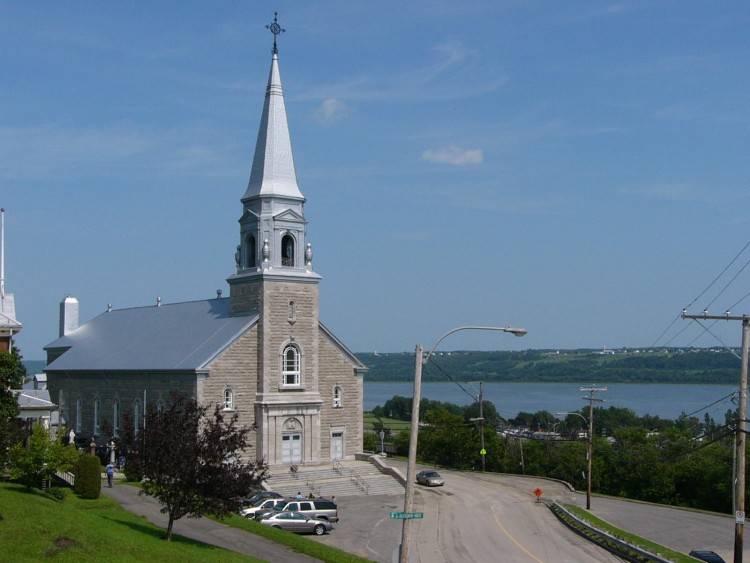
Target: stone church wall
x=108 y=387
x=335 y=369
x=236 y=368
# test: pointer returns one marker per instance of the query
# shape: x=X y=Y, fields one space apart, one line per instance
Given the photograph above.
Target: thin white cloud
x=454 y=155
x=331 y=110
x=680 y=192
x=454 y=74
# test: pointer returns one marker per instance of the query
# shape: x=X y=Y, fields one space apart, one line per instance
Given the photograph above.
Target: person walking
x=110 y=469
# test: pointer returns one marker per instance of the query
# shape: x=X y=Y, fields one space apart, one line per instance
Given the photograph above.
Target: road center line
x=511 y=538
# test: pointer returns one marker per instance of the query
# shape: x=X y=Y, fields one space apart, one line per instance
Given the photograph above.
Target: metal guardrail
x=609 y=537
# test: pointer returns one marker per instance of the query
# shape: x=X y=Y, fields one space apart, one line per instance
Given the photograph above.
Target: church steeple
x=273 y=234
x=273 y=170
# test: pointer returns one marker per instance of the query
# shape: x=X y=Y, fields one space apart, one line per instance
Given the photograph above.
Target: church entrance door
x=291 y=448
x=337 y=445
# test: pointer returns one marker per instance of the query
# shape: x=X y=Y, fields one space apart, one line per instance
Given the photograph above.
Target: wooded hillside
x=684 y=365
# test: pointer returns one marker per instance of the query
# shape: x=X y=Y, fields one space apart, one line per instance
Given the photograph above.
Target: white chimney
x=68 y=315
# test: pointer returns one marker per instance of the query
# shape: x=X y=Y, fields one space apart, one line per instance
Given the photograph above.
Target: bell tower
x=274 y=278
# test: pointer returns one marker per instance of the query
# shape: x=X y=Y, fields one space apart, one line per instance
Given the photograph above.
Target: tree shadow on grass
x=148 y=529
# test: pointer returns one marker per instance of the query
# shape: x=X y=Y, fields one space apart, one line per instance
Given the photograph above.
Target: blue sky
x=575 y=168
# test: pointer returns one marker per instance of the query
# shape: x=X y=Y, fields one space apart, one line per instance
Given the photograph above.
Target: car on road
x=430 y=477
x=298 y=523
x=708 y=556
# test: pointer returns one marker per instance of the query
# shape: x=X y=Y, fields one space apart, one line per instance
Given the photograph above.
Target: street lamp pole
x=412 y=463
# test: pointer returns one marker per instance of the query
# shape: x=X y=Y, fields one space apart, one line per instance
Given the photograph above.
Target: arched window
x=250 y=252
x=287 y=250
x=96 y=417
x=338 y=398
x=228 y=399
x=78 y=414
x=292 y=312
x=137 y=416
x=291 y=368
x=116 y=418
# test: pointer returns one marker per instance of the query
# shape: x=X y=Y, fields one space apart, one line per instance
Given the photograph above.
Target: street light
x=411 y=467
x=589 y=452
x=382 y=438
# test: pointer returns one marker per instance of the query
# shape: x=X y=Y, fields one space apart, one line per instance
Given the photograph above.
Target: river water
x=667 y=401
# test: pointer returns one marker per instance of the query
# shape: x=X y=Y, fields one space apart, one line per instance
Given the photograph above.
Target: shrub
x=88 y=477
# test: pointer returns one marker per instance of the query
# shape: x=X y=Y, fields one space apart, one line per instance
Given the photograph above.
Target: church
x=261 y=353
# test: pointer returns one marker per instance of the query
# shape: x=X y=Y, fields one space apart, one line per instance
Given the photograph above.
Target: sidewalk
x=203 y=529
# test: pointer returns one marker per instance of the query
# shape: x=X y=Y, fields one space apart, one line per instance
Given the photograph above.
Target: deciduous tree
x=192 y=463
x=40 y=457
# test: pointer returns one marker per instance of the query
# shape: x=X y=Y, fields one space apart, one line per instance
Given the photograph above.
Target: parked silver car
x=265 y=504
x=430 y=477
x=297 y=522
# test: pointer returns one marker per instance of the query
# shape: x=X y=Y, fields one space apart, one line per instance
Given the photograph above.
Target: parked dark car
x=296 y=522
x=254 y=499
x=708 y=556
x=430 y=477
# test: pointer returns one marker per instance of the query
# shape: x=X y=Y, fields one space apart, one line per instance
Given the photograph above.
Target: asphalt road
x=474 y=517
x=489 y=517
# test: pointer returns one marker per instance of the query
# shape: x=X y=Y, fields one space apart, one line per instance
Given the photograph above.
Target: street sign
x=407 y=515
x=739 y=517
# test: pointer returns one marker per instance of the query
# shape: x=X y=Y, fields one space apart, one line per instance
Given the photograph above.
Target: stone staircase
x=342 y=479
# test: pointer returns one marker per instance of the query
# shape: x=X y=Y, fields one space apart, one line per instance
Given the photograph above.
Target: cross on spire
x=276 y=29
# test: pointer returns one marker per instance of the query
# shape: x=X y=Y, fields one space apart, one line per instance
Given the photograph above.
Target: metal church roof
x=180 y=336
x=273 y=171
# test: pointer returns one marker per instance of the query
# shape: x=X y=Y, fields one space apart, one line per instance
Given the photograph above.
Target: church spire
x=273 y=172
x=273 y=231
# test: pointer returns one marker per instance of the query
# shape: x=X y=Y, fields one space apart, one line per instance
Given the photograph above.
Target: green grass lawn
x=37 y=527
x=395 y=425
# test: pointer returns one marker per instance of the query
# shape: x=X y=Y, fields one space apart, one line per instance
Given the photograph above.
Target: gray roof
x=34 y=399
x=178 y=336
x=8 y=313
x=273 y=170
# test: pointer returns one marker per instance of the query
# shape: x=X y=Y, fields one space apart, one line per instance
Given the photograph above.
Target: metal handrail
x=337 y=467
x=359 y=481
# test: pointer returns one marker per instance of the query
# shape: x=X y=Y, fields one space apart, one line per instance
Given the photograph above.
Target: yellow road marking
x=511 y=538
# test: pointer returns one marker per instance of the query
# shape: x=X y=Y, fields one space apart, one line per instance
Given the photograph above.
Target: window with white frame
x=96 y=417
x=291 y=367
x=159 y=406
x=338 y=400
x=116 y=418
x=137 y=416
x=228 y=399
x=79 y=408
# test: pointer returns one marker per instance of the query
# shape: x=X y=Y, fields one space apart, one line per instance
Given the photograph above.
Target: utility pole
x=482 y=451
x=739 y=496
x=411 y=466
x=481 y=423
x=590 y=450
